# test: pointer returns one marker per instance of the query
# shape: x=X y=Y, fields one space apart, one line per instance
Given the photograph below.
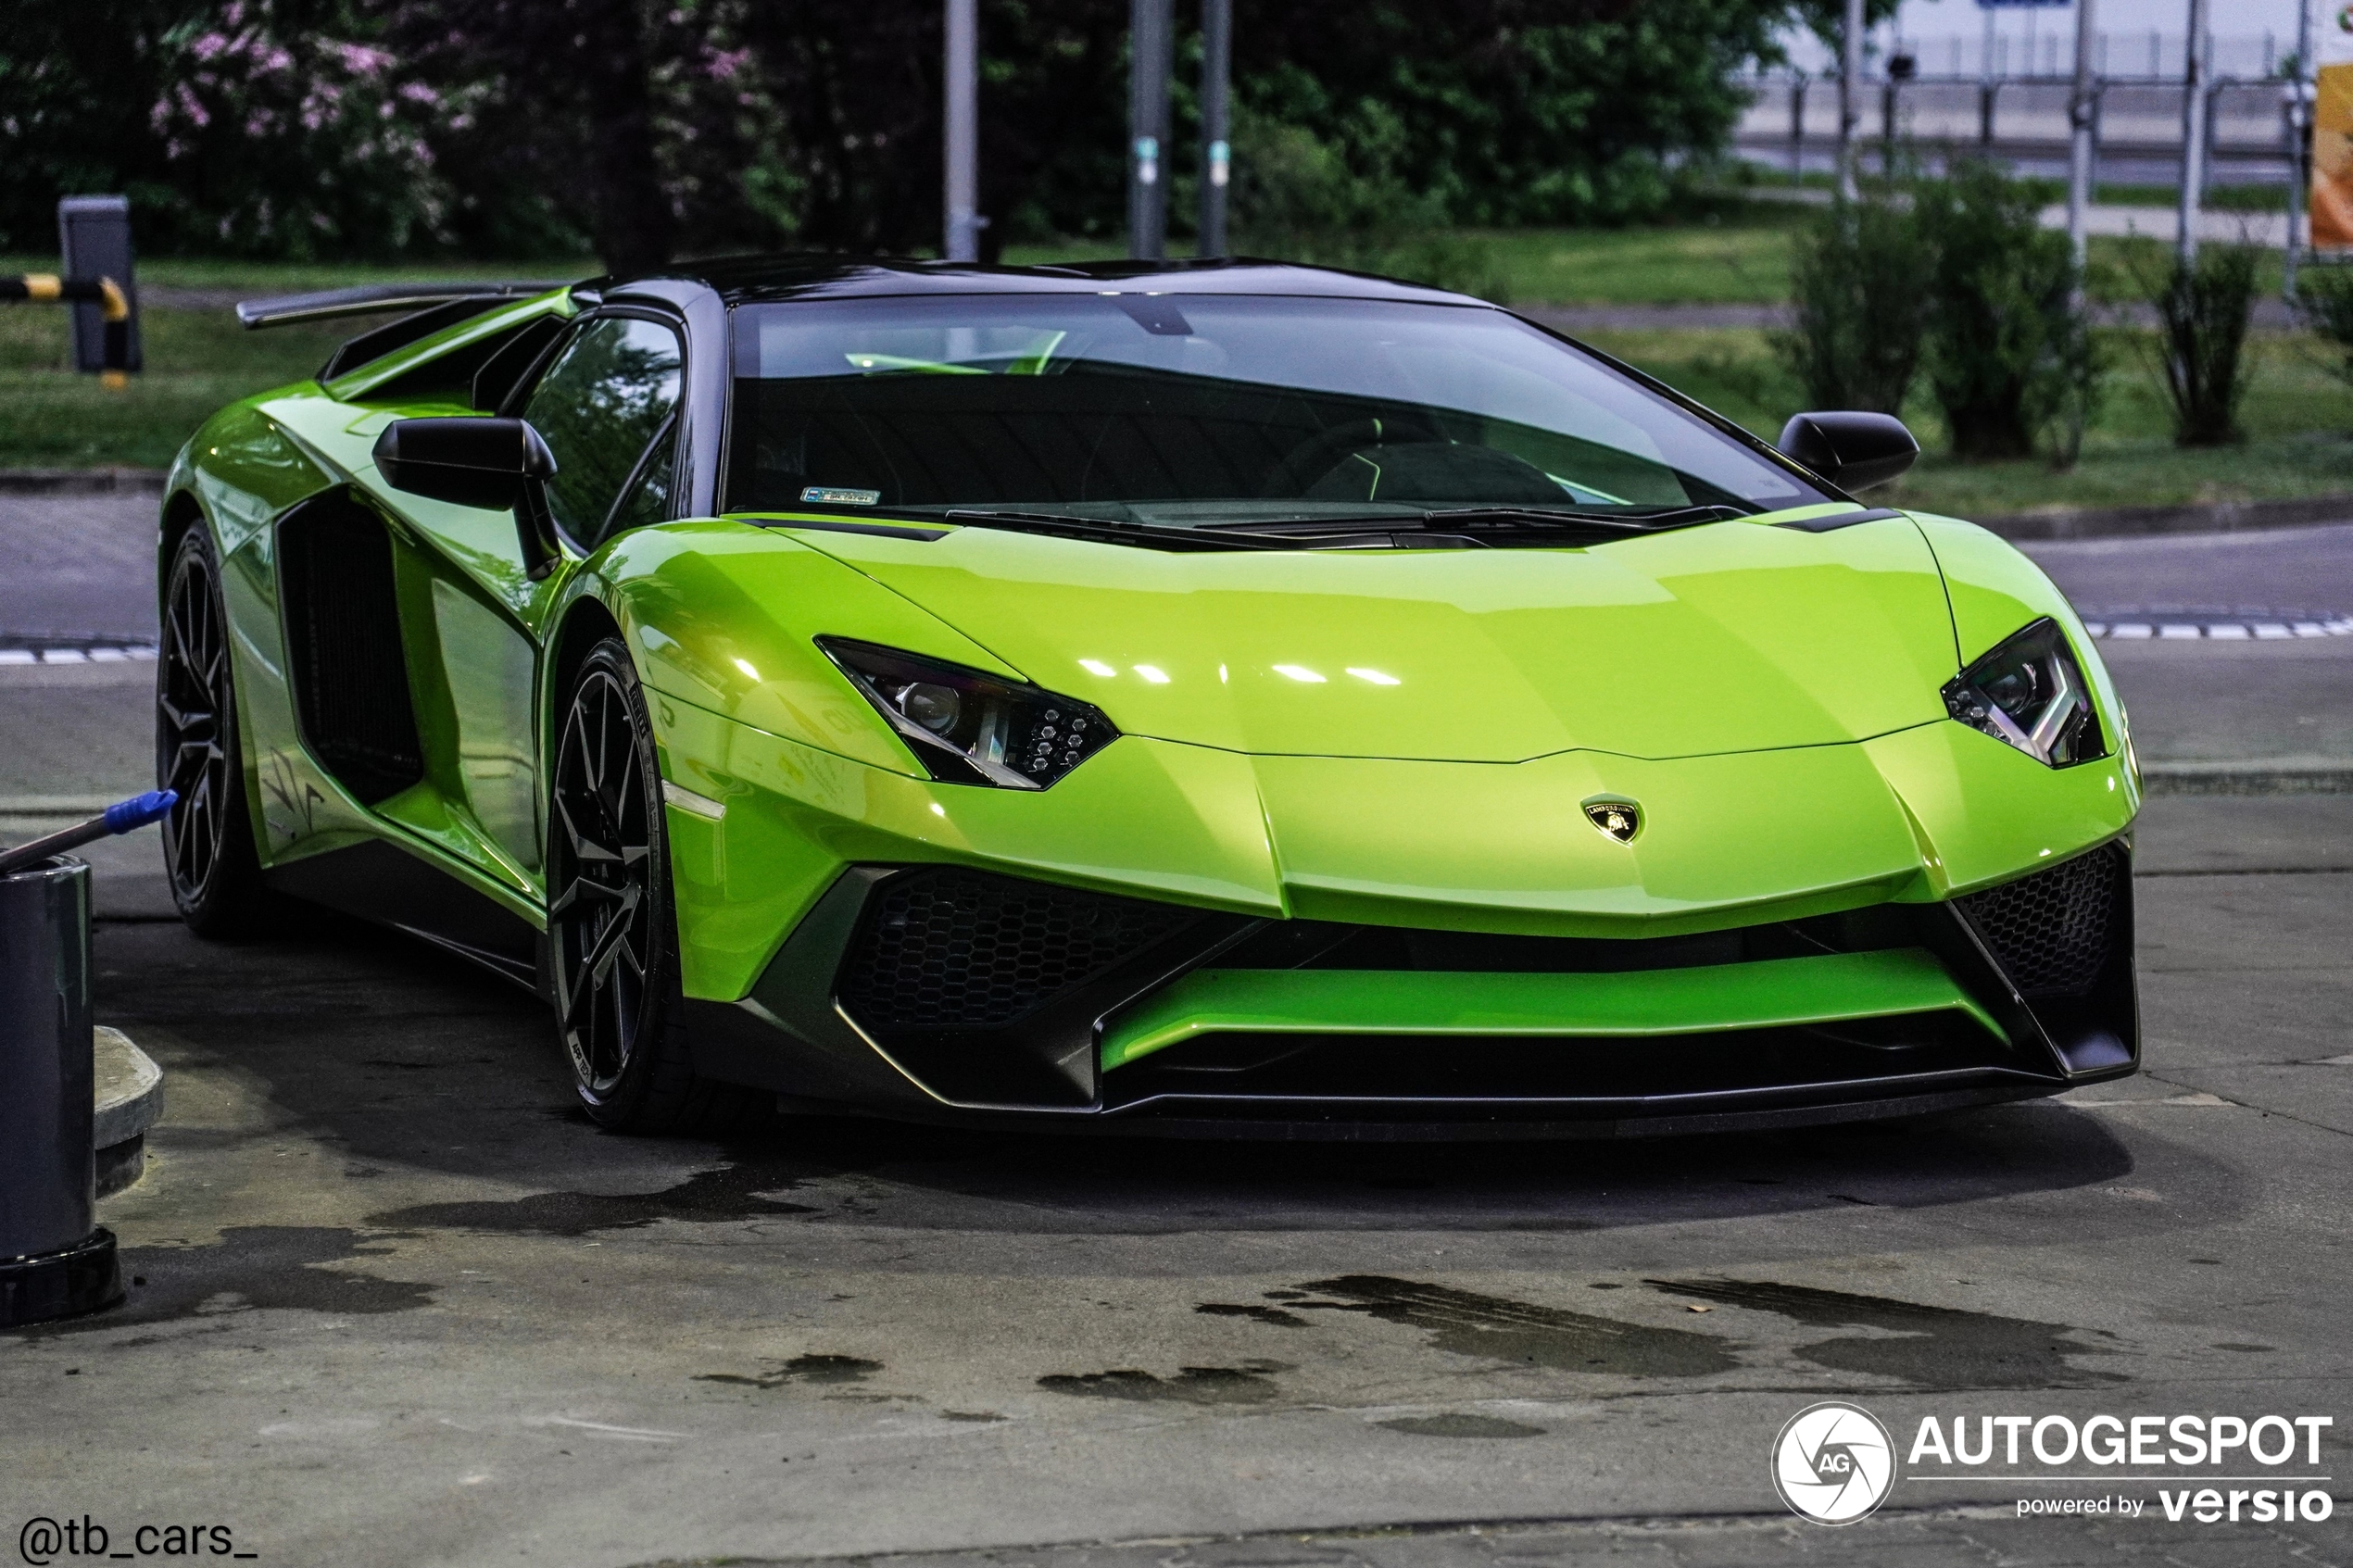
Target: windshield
x=1207 y=411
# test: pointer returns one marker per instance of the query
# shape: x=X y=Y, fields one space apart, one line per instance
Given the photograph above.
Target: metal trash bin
x=55 y=1260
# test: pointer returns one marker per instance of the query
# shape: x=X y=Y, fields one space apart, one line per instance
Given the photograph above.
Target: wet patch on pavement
x=731 y=1192
x=1251 y=1384
x=1459 y=1427
x=252 y=1267
x=1466 y=1323
x=1936 y=1347
x=1252 y=1310
x=800 y=1369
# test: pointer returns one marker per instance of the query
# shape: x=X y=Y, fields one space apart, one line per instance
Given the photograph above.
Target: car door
x=607 y=406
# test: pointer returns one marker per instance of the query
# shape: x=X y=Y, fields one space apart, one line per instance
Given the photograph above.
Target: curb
x=2210 y=516
x=2287 y=777
x=81 y=482
x=129 y=1101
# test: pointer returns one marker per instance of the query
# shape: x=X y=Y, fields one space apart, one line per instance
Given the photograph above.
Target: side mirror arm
x=535 y=529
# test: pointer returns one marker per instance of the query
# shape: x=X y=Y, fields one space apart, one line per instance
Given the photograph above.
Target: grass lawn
x=2298 y=420
x=2298 y=416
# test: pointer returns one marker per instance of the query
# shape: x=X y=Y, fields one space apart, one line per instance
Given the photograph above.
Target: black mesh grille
x=2051 y=932
x=962 y=949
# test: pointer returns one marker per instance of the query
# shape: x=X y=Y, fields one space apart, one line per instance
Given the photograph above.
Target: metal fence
x=1793 y=123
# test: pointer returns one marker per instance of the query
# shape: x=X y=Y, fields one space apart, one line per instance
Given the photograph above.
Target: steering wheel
x=1322 y=451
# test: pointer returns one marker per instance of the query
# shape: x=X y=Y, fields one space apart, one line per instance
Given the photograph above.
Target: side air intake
x=343 y=636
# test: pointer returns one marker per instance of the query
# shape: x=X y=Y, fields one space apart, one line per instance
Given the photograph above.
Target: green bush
x=2202 y=311
x=1296 y=198
x=2009 y=351
x=2324 y=304
x=1860 y=311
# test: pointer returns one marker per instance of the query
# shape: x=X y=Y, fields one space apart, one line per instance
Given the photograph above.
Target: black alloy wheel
x=208 y=835
x=612 y=935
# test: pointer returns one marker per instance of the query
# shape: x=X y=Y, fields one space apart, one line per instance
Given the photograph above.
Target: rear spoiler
x=373 y=299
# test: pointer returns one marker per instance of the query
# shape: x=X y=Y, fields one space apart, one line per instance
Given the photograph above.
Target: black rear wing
x=375 y=299
x=428 y=308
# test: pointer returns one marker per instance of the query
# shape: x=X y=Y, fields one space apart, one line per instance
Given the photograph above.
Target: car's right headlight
x=2030 y=693
x=965 y=726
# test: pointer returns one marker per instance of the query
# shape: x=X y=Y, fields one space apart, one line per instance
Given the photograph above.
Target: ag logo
x=1833 y=1462
x=1620 y=819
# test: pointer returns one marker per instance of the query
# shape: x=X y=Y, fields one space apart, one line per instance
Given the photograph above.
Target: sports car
x=1224 y=697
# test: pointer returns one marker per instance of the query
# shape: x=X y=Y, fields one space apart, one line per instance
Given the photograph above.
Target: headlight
x=2030 y=693
x=965 y=727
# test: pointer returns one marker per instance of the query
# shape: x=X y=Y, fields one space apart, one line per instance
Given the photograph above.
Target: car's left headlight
x=968 y=727
x=2030 y=693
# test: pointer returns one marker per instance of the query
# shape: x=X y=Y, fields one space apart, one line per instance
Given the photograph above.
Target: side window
x=647 y=498
x=610 y=392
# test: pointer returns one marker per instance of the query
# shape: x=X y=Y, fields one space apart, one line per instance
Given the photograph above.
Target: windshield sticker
x=828 y=495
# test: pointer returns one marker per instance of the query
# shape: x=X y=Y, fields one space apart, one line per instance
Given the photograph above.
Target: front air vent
x=2053 y=933
x=954 y=949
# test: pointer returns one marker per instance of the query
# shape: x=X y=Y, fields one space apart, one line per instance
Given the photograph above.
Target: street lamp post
x=2192 y=134
x=1216 y=73
x=2081 y=121
x=1149 y=40
x=1850 y=96
x=2299 y=154
x=963 y=115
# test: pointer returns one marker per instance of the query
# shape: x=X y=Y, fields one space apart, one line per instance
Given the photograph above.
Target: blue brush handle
x=121 y=816
x=140 y=809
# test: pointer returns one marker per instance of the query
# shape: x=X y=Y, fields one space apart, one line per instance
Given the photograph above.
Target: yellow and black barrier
x=114 y=309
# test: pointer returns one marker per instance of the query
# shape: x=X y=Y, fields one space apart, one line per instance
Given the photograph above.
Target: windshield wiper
x=1471 y=522
x=1615 y=522
x=1150 y=535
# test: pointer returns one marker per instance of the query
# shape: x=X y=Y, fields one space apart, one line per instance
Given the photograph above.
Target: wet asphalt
x=394 y=1302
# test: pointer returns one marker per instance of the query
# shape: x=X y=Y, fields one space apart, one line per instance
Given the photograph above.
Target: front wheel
x=612 y=934
x=208 y=835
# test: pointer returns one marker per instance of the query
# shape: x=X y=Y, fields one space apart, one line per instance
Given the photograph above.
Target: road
x=395 y=1304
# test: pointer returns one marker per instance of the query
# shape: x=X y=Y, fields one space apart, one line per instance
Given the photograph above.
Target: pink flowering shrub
x=295 y=145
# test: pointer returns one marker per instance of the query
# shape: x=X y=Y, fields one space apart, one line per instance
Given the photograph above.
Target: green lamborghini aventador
x=1227 y=698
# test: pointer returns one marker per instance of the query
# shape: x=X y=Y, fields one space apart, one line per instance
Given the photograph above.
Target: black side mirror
x=1852 y=449
x=469 y=461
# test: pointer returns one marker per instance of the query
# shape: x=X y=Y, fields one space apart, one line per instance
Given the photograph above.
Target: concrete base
x=129 y=1101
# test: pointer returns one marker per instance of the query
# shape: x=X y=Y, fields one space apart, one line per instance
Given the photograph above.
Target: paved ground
x=395 y=1304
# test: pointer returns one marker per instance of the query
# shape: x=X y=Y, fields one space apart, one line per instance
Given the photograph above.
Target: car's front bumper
x=940 y=993
x=1597 y=1022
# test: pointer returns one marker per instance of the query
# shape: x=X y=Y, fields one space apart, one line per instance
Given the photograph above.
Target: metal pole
x=1216 y=74
x=2300 y=152
x=1850 y=96
x=963 y=130
x=1148 y=37
x=1797 y=130
x=2080 y=123
x=2192 y=134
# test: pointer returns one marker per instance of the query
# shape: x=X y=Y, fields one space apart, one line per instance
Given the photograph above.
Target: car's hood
x=1731 y=637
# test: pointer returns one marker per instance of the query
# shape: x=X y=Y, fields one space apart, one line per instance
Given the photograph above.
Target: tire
x=612 y=930
x=207 y=835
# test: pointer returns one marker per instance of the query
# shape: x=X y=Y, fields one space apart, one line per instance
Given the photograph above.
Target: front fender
x=724 y=615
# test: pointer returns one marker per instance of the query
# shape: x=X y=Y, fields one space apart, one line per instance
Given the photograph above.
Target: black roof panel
x=744 y=279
